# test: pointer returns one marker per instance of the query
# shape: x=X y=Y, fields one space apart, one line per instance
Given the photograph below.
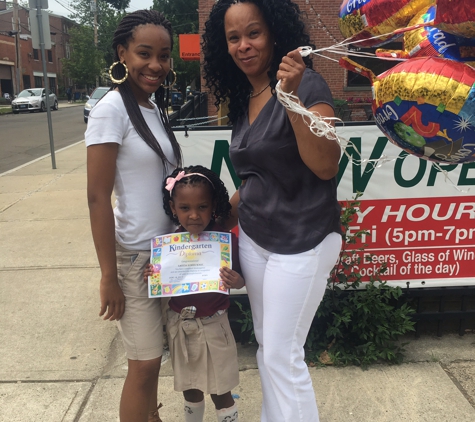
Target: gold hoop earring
x=118 y=81
x=174 y=80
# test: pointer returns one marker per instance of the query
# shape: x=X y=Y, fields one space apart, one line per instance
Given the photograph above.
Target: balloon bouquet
x=426 y=103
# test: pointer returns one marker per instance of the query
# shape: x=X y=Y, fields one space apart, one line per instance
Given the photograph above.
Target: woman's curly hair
x=217 y=188
x=223 y=77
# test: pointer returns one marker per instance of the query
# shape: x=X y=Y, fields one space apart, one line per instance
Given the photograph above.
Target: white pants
x=284 y=292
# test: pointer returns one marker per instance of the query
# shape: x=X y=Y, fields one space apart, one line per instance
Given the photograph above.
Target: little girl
x=202 y=347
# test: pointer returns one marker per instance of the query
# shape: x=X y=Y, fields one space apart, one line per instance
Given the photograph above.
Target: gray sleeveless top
x=284 y=207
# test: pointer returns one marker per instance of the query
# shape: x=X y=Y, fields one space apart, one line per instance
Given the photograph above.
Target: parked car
x=96 y=95
x=33 y=99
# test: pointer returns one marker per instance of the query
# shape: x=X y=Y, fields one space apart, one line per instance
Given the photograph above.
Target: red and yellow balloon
x=361 y=20
x=456 y=17
x=428 y=40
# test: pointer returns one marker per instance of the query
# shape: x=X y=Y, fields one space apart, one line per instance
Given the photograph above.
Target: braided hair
x=122 y=35
x=218 y=190
x=223 y=77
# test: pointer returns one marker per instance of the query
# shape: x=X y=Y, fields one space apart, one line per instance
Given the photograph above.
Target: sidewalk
x=60 y=362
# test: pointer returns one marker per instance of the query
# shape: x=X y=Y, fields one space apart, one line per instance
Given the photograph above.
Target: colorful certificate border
x=158 y=289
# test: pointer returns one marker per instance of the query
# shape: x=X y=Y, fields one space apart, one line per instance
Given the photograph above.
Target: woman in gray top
x=287 y=206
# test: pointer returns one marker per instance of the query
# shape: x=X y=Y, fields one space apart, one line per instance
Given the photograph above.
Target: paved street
x=25 y=136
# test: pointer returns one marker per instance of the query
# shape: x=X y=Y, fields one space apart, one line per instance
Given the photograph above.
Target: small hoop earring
x=174 y=80
x=174 y=216
x=118 y=81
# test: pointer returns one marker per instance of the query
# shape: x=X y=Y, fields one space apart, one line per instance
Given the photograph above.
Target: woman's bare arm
x=320 y=154
x=101 y=165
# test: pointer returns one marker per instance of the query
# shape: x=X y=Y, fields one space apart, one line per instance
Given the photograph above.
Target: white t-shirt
x=139 y=213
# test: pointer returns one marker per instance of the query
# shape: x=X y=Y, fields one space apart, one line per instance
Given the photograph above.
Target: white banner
x=420 y=220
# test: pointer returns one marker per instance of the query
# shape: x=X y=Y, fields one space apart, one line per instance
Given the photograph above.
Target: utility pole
x=16 y=30
x=94 y=5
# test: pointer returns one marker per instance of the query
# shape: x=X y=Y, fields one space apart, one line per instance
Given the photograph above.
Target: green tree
x=119 y=4
x=106 y=31
x=183 y=14
x=85 y=62
x=109 y=14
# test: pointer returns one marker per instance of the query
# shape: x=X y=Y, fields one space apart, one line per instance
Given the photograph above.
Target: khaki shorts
x=141 y=325
x=203 y=353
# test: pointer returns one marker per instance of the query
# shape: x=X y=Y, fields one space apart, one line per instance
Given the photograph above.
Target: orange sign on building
x=189 y=46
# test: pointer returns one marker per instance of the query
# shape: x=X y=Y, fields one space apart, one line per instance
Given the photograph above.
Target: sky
x=58 y=6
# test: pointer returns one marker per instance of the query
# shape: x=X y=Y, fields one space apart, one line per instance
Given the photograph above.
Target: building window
x=26 y=82
x=50 y=56
x=68 y=52
x=52 y=84
x=378 y=66
x=35 y=54
x=38 y=82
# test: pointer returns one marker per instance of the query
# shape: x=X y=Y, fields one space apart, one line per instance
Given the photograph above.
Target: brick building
x=31 y=72
x=321 y=18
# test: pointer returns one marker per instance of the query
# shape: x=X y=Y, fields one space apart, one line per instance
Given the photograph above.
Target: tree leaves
x=85 y=63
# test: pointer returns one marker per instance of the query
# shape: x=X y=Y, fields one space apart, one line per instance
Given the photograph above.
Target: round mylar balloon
x=363 y=19
x=456 y=17
x=431 y=41
x=426 y=106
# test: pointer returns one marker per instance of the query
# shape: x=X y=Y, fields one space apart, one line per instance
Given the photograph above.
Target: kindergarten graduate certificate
x=186 y=264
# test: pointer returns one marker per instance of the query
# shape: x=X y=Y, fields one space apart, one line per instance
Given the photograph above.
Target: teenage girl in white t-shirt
x=130 y=149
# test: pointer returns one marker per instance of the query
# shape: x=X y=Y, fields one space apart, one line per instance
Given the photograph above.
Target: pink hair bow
x=172 y=180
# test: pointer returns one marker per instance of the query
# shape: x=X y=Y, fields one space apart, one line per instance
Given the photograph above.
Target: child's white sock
x=194 y=412
x=228 y=415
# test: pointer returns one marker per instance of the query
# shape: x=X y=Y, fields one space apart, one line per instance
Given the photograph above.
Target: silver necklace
x=252 y=95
